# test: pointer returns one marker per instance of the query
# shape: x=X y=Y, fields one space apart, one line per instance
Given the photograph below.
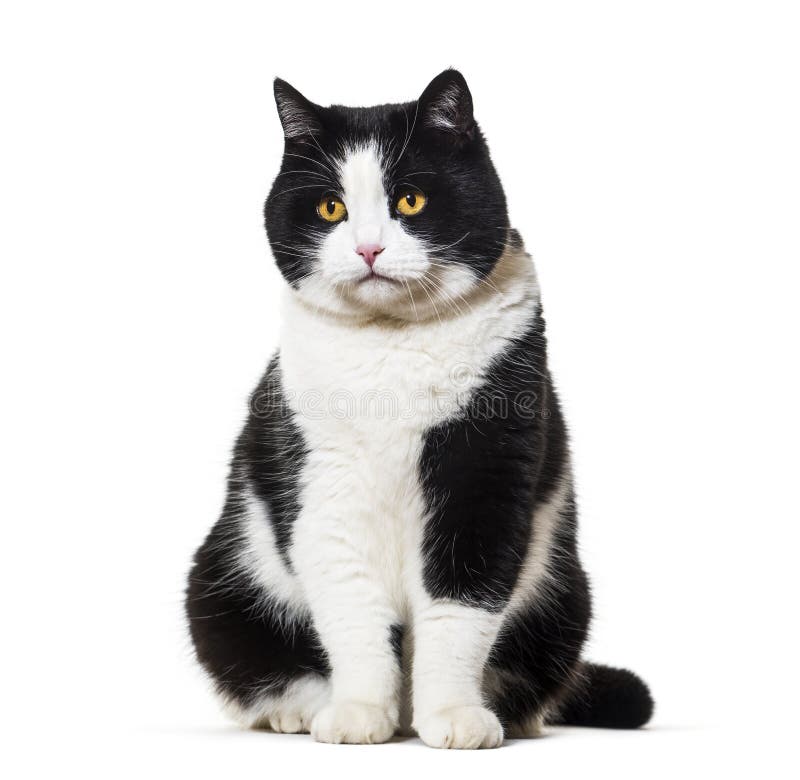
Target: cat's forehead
x=366 y=147
x=362 y=124
x=385 y=130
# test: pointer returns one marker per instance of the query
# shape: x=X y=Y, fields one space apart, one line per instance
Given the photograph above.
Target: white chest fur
x=363 y=395
x=339 y=373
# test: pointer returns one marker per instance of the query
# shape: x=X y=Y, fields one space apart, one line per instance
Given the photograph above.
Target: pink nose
x=369 y=252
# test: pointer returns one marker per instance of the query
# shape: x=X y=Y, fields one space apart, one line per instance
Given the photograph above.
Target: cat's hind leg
x=262 y=654
x=288 y=712
x=535 y=663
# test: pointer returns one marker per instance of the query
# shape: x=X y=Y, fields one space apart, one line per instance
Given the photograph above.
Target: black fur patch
x=396 y=640
x=271 y=452
x=484 y=473
x=607 y=698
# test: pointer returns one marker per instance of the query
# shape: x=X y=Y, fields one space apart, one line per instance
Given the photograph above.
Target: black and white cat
x=397 y=550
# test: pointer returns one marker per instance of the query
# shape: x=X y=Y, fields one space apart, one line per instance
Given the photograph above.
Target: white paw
x=461 y=727
x=287 y=723
x=353 y=723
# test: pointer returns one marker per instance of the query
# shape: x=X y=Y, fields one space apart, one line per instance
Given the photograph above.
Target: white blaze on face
x=403 y=280
x=369 y=221
x=361 y=176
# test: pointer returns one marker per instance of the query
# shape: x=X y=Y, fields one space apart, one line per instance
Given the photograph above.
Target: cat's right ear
x=298 y=115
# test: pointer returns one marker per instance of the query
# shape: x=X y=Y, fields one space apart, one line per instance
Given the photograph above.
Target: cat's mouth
x=375 y=277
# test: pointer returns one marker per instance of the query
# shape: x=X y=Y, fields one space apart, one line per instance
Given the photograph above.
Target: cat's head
x=394 y=209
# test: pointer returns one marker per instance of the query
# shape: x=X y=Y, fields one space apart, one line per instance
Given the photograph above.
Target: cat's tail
x=605 y=697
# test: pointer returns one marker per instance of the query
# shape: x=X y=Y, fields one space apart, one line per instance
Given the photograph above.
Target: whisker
x=408 y=135
x=312 y=160
x=333 y=165
x=316 y=174
x=411 y=298
x=294 y=189
x=436 y=248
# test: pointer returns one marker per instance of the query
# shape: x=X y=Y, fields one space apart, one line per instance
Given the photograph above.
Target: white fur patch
x=260 y=559
x=537 y=565
x=452 y=645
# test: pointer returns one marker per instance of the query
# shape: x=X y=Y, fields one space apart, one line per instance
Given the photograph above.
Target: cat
x=397 y=551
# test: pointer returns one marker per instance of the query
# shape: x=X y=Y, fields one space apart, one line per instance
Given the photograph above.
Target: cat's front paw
x=353 y=723
x=461 y=728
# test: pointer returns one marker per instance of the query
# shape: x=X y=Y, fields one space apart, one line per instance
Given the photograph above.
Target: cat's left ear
x=446 y=105
x=298 y=115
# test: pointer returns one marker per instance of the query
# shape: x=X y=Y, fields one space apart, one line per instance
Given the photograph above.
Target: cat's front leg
x=471 y=549
x=357 y=624
x=452 y=643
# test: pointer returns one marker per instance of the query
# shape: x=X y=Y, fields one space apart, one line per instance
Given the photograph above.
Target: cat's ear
x=446 y=105
x=299 y=116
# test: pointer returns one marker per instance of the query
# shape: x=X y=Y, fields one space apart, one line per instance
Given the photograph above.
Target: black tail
x=607 y=698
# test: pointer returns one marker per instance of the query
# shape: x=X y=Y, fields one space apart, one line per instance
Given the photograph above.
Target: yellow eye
x=331 y=209
x=411 y=202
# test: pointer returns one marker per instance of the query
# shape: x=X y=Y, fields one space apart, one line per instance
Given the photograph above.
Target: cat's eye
x=331 y=209
x=411 y=202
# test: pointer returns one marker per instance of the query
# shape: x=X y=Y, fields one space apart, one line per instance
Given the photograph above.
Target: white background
x=649 y=152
